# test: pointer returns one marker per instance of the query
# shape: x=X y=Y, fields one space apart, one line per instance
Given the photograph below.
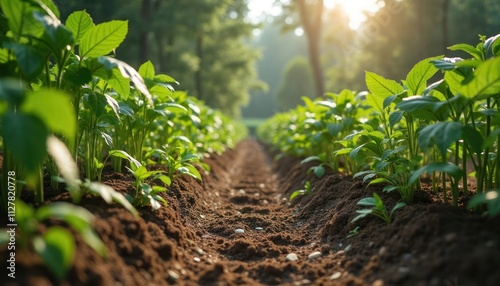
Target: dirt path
x=255 y=204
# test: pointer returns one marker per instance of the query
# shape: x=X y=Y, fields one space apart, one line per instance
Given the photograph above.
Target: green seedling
x=305 y=191
x=377 y=208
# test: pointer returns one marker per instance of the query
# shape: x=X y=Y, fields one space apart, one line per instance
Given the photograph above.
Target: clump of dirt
x=194 y=240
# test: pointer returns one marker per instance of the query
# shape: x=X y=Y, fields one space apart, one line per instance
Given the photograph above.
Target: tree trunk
x=311 y=18
x=143 y=37
x=198 y=74
x=444 y=27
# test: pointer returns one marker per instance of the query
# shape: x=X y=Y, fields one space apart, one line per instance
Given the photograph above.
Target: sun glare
x=355 y=10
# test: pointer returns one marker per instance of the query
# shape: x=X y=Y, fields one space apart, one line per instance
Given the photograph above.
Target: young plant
x=306 y=191
x=56 y=246
x=377 y=208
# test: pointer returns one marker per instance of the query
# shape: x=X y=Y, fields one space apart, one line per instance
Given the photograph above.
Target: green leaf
x=79 y=23
x=25 y=137
x=486 y=80
x=443 y=134
x=319 y=171
x=50 y=8
x=126 y=156
x=417 y=78
x=101 y=39
x=12 y=91
x=310 y=159
x=66 y=165
x=30 y=60
x=55 y=109
x=77 y=217
x=20 y=17
x=454 y=80
x=445 y=167
x=296 y=194
x=395 y=117
x=57 y=249
x=127 y=72
x=473 y=138
x=382 y=87
x=109 y=194
x=468 y=49
x=369 y=201
x=147 y=70
x=58 y=35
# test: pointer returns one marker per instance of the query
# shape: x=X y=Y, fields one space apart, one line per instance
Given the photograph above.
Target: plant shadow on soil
x=193 y=240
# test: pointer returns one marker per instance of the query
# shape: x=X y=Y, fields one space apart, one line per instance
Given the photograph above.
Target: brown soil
x=193 y=240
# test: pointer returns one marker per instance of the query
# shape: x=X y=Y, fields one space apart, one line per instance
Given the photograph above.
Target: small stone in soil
x=200 y=251
x=378 y=282
x=241 y=192
x=262 y=186
x=196 y=259
x=341 y=252
x=259 y=228
x=239 y=231
x=404 y=269
x=347 y=248
x=382 y=250
x=292 y=257
x=173 y=275
x=314 y=255
x=335 y=276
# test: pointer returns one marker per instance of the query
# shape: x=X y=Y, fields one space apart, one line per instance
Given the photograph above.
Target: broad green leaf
x=116 y=80
x=57 y=249
x=66 y=164
x=486 y=80
x=442 y=134
x=468 y=49
x=20 y=17
x=101 y=39
x=319 y=171
x=382 y=87
x=473 y=138
x=127 y=72
x=417 y=78
x=25 y=137
x=395 y=117
x=445 y=167
x=376 y=102
x=454 y=81
x=296 y=194
x=79 y=23
x=147 y=70
x=55 y=109
x=369 y=201
x=31 y=61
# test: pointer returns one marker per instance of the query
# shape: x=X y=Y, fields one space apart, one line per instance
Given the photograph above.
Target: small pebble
x=262 y=186
x=173 y=275
x=340 y=252
x=239 y=231
x=378 y=282
x=450 y=237
x=265 y=202
x=371 y=244
x=335 y=276
x=347 y=248
x=404 y=269
x=197 y=259
x=200 y=251
x=256 y=194
x=292 y=257
x=382 y=250
x=241 y=192
x=259 y=228
x=202 y=216
x=340 y=244
x=314 y=255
